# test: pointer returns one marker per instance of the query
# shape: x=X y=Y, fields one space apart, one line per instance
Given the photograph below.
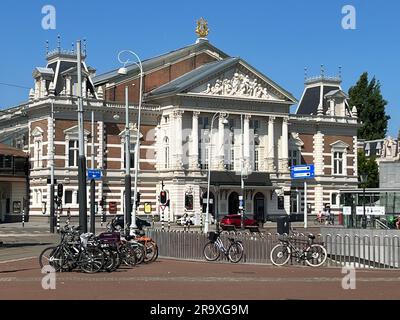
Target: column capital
x=285 y=119
x=196 y=114
x=247 y=117
x=271 y=119
x=178 y=113
x=222 y=115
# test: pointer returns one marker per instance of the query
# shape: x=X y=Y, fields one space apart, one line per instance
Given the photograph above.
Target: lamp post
x=124 y=71
x=364 y=179
x=225 y=122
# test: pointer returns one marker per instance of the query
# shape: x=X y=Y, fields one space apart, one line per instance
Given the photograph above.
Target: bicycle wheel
x=156 y=255
x=151 y=251
x=110 y=260
x=235 y=252
x=128 y=255
x=280 y=254
x=91 y=260
x=51 y=257
x=316 y=255
x=211 y=251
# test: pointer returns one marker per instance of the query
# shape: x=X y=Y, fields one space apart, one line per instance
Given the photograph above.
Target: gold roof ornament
x=202 y=28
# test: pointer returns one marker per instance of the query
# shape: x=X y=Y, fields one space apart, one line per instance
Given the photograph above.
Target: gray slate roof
x=183 y=82
x=158 y=61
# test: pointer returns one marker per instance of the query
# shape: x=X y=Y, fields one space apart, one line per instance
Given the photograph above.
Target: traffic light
x=60 y=189
x=163 y=198
x=138 y=199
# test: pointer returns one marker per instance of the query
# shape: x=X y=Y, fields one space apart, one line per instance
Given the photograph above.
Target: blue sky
x=279 y=38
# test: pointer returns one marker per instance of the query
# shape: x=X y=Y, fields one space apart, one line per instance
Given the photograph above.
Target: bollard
x=169 y=223
x=23 y=218
x=162 y=221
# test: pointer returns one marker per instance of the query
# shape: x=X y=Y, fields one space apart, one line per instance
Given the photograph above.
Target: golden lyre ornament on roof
x=202 y=28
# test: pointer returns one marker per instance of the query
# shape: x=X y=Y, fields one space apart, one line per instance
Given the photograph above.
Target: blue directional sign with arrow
x=94 y=174
x=303 y=172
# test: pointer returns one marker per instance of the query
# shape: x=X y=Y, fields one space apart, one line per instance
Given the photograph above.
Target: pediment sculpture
x=240 y=85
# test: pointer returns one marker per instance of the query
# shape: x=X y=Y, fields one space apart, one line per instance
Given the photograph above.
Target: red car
x=234 y=220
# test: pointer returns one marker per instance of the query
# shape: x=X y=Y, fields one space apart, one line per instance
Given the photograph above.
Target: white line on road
x=16 y=260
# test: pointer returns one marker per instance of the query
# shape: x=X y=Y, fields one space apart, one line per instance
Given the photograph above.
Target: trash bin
x=283 y=225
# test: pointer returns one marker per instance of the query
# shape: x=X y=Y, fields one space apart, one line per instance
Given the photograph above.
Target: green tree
x=369 y=166
x=366 y=96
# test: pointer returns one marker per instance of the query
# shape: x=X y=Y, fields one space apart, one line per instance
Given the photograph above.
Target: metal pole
x=137 y=153
x=305 y=205
x=92 y=188
x=241 y=173
x=23 y=218
x=206 y=222
x=82 y=159
x=128 y=182
x=364 y=223
x=52 y=207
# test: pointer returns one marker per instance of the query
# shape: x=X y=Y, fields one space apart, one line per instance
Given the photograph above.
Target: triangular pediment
x=240 y=82
x=231 y=78
x=340 y=145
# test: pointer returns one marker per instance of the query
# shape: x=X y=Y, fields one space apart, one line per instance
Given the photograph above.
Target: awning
x=227 y=178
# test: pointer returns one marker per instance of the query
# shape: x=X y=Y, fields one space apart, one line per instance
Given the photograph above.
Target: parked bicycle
x=213 y=249
x=313 y=254
x=74 y=251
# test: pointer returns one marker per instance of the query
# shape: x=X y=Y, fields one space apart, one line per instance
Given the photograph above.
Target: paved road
x=177 y=280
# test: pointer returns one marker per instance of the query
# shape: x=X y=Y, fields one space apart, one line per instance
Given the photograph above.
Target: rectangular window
x=68 y=197
x=281 y=203
x=334 y=199
x=256 y=159
x=231 y=166
x=294 y=158
x=255 y=125
x=204 y=122
x=206 y=158
x=5 y=162
x=338 y=163
x=38 y=153
x=294 y=202
x=73 y=153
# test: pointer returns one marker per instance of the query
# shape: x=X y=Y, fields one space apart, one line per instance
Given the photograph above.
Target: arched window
x=166 y=153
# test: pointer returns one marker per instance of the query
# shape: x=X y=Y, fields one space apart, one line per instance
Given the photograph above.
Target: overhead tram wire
x=13 y=85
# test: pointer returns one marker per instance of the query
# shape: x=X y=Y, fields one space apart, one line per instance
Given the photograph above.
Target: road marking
x=17 y=260
x=23 y=235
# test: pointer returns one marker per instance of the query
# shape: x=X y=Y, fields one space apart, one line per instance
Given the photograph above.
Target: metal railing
x=361 y=252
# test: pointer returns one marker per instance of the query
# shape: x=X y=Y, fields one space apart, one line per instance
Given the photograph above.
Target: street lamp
x=124 y=71
x=225 y=122
x=364 y=179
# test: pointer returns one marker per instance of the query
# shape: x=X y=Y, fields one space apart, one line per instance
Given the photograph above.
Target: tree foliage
x=369 y=166
x=366 y=96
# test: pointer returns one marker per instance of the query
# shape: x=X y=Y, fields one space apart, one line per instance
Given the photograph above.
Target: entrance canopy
x=226 y=178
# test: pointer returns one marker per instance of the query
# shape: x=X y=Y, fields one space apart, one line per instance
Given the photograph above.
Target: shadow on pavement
x=19 y=245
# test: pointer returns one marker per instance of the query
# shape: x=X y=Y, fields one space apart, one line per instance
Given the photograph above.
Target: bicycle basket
x=213 y=236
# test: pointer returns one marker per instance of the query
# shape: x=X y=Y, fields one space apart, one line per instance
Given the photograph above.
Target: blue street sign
x=94 y=174
x=303 y=172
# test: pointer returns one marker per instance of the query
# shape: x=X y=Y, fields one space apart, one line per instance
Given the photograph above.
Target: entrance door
x=233 y=203
x=259 y=207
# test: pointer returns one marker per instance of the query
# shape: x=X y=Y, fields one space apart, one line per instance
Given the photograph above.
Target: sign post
x=304 y=172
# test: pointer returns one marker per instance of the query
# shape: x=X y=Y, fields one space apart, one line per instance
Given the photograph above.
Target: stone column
x=285 y=146
x=246 y=134
x=178 y=163
x=220 y=146
x=271 y=145
x=194 y=161
x=319 y=153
